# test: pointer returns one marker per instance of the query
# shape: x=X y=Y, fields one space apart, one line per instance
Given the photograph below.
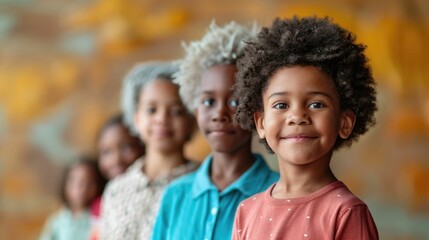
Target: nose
x=221 y=113
x=116 y=156
x=162 y=116
x=297 y=116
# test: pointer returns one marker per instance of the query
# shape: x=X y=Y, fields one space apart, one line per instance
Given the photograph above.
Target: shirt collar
x=136 y=170
x=202 y=181
x=248 y=184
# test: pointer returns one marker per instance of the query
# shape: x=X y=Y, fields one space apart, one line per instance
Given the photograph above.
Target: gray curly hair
x=220 y=45
x=134 y=81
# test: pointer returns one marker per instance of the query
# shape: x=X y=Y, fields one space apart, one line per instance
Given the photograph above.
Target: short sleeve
x=356 y=223
x=48 y=232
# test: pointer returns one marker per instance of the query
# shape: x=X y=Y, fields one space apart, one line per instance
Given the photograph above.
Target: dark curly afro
x=309 y=41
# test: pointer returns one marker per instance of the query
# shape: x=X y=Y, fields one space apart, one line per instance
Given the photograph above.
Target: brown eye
x=208 y=102
x=280 y=106
x=150 y=110
x=233 y=103
x=316 y=105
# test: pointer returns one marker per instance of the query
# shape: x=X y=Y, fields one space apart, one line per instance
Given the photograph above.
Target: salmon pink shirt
x=332 y=212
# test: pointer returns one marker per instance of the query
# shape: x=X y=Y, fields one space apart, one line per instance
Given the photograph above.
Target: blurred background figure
x=81 y=185
x=154 y=110
x=117 y=147
x=117 y=150
x=61 y=65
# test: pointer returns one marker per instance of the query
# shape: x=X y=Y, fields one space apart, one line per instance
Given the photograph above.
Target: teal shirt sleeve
x=48 y=232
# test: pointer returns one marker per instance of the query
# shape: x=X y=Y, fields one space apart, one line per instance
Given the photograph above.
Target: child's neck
x=77 y=211
x=299 y=181
x=158 y=163
x=227 y=167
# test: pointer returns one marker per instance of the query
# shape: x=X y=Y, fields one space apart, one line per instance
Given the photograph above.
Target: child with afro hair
x=202 y=205
x=306 y=87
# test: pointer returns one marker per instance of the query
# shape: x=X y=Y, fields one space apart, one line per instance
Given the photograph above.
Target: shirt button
x=214 y=211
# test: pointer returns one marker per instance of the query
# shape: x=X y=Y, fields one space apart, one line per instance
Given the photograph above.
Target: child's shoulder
x=120 y=181
x=333 y=198
x=184 y=181
x=341 y=196
x=131 y=177
x=334 y=195
x=59 y=215
x=256 y=199
x=180 y=188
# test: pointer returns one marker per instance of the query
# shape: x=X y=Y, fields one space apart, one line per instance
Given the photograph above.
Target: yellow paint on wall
x=24 y=93
x=85 y=126
x=345 y=18
x=29 y=89
x=63 y=74
x=407 y=121
x=17 y=184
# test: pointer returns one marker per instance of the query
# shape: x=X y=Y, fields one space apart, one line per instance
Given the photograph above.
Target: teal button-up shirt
x=192 y=208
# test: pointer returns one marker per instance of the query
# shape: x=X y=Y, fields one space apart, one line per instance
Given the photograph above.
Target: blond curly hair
x=220 y=45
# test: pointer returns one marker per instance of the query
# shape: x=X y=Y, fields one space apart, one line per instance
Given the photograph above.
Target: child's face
x=117 y=150
x=161 y=118
x=81 y=187
x=302 y=116
x=216 y=109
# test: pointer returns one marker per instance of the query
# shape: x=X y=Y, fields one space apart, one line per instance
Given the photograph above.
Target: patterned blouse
x=130 y=202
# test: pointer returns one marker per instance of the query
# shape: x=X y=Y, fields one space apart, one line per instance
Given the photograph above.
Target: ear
x=347 y=122
x=258 y=117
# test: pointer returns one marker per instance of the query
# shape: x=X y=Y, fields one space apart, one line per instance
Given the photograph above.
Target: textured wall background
x=62 y=61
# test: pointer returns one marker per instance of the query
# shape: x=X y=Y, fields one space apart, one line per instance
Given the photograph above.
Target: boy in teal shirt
x=202 y=205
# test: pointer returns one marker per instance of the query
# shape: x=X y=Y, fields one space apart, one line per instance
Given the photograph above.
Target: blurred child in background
x=117 y=150
x=81 y=184
x=154 y=110
x=117 y=147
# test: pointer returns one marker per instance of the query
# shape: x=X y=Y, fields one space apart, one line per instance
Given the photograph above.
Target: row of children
x=303 y=84
x=84 y=181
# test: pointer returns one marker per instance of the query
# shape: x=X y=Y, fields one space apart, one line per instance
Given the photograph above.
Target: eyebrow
x=151 y=102
x=206 y=92
x=310 y=93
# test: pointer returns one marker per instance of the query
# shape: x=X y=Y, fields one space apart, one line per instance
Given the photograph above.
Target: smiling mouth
x=220 y=132
x=161 y=134
x=298 y=138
